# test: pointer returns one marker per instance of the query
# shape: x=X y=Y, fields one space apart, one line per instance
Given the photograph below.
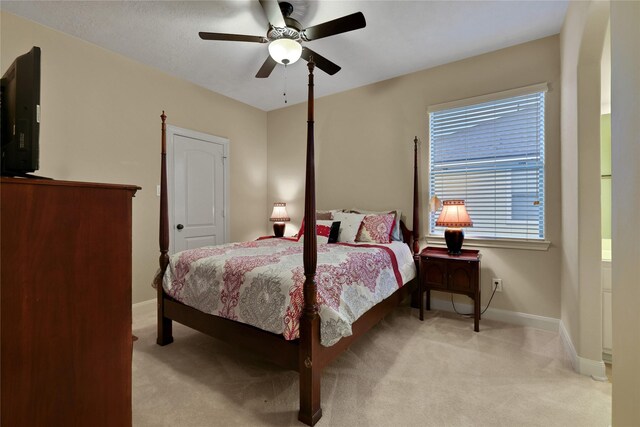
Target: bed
x=318 y=313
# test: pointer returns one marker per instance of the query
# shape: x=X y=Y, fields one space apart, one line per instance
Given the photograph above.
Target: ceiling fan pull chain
x=285 y=84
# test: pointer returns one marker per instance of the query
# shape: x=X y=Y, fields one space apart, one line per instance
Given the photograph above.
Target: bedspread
x=260 y=283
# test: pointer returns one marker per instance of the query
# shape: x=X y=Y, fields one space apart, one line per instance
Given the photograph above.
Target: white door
x=197 y=189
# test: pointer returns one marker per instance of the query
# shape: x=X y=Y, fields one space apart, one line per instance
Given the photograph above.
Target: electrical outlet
x=497 y=284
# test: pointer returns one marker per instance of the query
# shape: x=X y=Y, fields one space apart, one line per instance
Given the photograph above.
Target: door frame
x=173 y=131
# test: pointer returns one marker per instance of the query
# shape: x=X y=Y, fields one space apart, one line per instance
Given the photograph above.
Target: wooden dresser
x=65 y=303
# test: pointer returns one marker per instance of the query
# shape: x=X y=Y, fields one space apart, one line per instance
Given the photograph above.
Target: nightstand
x=459 y=274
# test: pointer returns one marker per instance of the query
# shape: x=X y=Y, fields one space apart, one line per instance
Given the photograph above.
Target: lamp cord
x=472 y=314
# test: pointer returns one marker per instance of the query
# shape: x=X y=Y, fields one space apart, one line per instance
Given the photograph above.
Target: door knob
x=179 y=226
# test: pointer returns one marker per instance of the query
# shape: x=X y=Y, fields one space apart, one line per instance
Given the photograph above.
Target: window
x=489 y=151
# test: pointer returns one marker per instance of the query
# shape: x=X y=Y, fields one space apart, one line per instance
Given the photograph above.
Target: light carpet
x=401 y=373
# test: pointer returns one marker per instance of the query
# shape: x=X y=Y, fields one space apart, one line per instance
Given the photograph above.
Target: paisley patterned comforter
x=260 y=283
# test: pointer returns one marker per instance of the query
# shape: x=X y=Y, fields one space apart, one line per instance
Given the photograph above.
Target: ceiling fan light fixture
x=285 y=51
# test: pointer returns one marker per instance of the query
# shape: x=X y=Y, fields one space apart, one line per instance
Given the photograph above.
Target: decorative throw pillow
x=335 y=232
x=396 y=235
x=324 y=215
x=323 y=230
x=349 y=225
x=376 y=228
x=320 y=215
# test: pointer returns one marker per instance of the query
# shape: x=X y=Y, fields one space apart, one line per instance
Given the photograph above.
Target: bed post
x=416 y=206
x=416 y=297
x=309 y=366
x=165 y=335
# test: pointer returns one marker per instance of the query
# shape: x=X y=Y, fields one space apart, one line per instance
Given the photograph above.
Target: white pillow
x=349 y=225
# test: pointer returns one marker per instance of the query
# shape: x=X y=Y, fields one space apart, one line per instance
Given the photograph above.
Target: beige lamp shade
x=454 y=214
x=435 y=203
x=279 y=213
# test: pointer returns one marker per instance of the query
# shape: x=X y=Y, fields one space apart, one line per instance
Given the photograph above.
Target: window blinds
x=491 y=155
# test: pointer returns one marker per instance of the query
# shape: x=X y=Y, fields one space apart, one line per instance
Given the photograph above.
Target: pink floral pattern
x=376 y=228
x=185 y=260
x=225 y=280
x=294 y=308
x=233 y=277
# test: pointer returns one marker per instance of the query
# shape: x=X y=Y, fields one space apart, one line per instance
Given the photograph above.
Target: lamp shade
x=454 y=214
x=285 y=51
x=435 y=203
x=279 y=213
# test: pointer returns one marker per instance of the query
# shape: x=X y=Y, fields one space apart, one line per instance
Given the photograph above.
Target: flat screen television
x=20 y=111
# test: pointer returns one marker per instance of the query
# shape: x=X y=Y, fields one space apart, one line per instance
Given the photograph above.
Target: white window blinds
x=491 y=154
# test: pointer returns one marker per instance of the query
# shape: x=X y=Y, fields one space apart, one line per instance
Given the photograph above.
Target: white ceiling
x=400 y=37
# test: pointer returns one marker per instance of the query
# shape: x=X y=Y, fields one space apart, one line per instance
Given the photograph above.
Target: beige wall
x=589 y=207
x=582 y=40
x=364 y=157
x=100 y=122
x=625 y=148
x=569 y=48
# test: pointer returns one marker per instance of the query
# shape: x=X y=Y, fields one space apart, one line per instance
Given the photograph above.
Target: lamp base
x=454 y=238
x=278 y=229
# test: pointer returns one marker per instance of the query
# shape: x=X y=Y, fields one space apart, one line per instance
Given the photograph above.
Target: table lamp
x=279 y=217
x=454 y=216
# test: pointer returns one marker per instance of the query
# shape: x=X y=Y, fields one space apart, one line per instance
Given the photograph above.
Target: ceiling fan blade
x=337 y=26
x=266 y=68
x=272 y=10
x=321 y=62
x=232 y=37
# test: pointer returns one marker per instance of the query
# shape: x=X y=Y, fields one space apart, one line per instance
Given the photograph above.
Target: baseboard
x=513 y=317
x=143 y=305
x=594 y=368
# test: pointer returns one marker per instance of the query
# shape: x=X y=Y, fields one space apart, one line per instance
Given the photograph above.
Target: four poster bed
x=301 y=345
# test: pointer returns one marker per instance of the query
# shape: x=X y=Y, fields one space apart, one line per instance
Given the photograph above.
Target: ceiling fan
x=285 y=36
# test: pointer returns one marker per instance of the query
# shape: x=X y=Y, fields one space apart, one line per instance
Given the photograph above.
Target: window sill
x=531 y=245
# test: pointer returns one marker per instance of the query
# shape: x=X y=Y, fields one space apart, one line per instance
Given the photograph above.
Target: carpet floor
x=401 y=373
